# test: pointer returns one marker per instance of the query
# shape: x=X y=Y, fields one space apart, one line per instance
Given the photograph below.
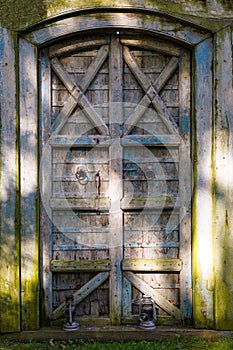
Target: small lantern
x=147 y=313
x=70 y=324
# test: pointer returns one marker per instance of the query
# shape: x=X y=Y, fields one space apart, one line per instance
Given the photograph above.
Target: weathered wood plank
x=80 y=229
x=137 y=72
x=185 y=188
x=72 y=188
x=64 y=115
x=158 y=298
x=151 y=92
x=94 y=67
x=166 y=73
x=150 y=202
x=115 y=180
x=127 y=300
x=136 y=115
x=163 y=111
x=202 y=255
x=145 y=101
x=79 y=246
x=115 y=87
x=45 y=182
x=80 y=266
x=155 y=159
x=28 y=186
x=72 y=46
x=149 y=179
x=101 y=204
x=139 y=155
x=148 y=140
x=82 y=141
x=83 y=292
x=84 y=240
x=79 y=97
x=151 y=245
x=64 y=76
x=156 y=265
x=79 y=156
x=223 y=241
x=151 y=44
x=9 y=236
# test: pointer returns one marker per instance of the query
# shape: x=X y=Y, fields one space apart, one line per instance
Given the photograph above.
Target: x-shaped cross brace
x=151 y=93
x=77 y=96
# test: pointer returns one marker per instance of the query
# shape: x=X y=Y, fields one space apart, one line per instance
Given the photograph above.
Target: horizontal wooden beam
x=94 y=204
x=80 y=266
x=86 y=230
x=153 y=245
x=150 y=202
x=152 y=265
x=154 y=177
x=151 y=44
x=82 y=293
x=151 y=140
x=81 y=141
x=80 y=247
x=72 y=46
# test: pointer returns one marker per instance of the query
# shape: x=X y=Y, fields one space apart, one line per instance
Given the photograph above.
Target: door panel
x=115 y=175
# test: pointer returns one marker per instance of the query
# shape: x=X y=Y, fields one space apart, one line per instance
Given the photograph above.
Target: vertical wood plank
x=9 y=235
x=185 y=187
x=45 y=179
x=127 y=299
x=115 y=180
x=115 y=87
x=224 y=181
x=202 y=198
x=28 y=186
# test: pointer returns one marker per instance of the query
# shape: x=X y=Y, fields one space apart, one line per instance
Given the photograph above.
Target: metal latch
x=98 y=183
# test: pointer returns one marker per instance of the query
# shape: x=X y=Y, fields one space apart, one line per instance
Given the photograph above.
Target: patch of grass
x=176 y=343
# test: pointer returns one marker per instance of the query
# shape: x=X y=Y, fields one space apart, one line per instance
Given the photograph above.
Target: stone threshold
x=112 y=333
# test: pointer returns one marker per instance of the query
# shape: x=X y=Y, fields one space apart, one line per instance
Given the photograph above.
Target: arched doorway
x=116 y=176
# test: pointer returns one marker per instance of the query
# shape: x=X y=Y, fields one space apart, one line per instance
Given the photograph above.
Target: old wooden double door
x=115 y=177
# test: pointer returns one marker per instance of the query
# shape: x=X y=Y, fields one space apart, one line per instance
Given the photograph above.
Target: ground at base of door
x=113 y=333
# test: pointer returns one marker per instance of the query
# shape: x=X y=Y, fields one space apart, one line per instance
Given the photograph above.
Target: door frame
x=166 y=26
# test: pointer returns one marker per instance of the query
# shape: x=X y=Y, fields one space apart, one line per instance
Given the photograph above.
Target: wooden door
x=115 y=177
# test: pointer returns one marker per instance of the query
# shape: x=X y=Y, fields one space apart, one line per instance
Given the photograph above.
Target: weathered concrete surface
x=117 y=333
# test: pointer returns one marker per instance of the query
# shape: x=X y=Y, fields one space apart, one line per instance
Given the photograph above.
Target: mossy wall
x=17 y=15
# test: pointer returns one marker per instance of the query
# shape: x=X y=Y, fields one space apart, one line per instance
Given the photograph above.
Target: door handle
x=81 y=176
x=98 y=183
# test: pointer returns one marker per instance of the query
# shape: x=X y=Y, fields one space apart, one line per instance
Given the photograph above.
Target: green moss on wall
x=21 y=13
x=17 y=15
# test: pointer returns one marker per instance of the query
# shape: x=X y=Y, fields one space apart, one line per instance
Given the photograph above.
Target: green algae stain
x=17 y=15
